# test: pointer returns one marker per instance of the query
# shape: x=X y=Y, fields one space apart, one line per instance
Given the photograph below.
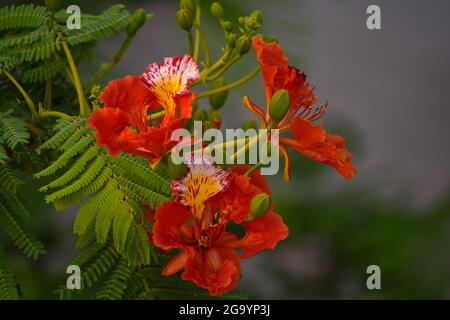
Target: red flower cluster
x=309 y=139
x=138 y=117
x=208 y=200
x=124 y=122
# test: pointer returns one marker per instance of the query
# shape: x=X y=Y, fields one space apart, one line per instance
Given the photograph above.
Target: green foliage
x=12 y=130
x=111 y=191
x=8 y=287
x=23 y=16
x=31 y=37
x=109 y=23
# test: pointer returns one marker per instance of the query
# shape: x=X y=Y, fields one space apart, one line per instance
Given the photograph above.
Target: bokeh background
x=389 y=94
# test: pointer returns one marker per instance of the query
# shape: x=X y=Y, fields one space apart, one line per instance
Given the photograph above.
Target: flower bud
x=188 y=5
x=279 y=105
x=249 y=124
x=257 y=15
x=175 y=171
x=270 y=38
x=216 y=118
x=217 y=11
x=140 y=18
x=231 y=40
x=53 y=5
x=184 y=19
x=227 y=26
x=259 y=205
x=209 y=125
x=199 y=115
x=243 y=45
x=218 y=100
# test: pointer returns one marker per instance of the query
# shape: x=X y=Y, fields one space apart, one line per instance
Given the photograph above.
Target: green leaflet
x=8 y=288
x=12 y=130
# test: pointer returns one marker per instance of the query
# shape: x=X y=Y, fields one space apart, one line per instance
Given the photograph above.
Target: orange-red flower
x=208 y=199
x=141 y=112
x=309 y=139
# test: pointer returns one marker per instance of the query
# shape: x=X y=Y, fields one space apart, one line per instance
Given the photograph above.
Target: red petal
x=262 y=233
x=318 y=145
x=176 y=264
x=168 y=220
x=274 y=65
x=109 y=123
x=215 y=269
x=130 y=95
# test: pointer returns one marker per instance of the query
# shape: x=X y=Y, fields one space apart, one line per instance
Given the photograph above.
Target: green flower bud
x=53 y=5
x=140 y=18
x=243 y=45
x=259 y=205
x=227 y=26
x=218 y=100
x=279 y=105
x=257 y=15
x=241 y=21
x=188 y=5
x=199 y=115
x=231 y=40
x=184 y=19
x=215 y=115
x=175 y=171
x=250 y=124
x=217 y=11
x=209 y=125
x=270 y=38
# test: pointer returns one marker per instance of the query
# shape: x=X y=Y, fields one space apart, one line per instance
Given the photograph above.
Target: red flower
x=124 y=122
x=310 y=140
x=198 y=222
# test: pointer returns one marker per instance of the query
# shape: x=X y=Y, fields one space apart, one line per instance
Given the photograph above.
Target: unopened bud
x=270 y=38
x=184 y=19
x=188 y=5
x=216 y=118
x=217 y=11
x=218 y=100
x=259 y=205
x=243 y=45
x=140 y=18
x=249 y=124
x=231 y=40
x=200 y=115
x=257 y=15
x=227 y=26
x=279 y=105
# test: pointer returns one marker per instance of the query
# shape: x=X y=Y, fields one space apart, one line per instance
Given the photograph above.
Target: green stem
x=191 y=42
x=252 y=169
x=230 y=86
x=48 y=94
x=106 y=68
x=198 y=35
x=22 y=91
x=56 y=114
x=205 y=48
x=221 y=71
x=84 y=108
x=36 y=131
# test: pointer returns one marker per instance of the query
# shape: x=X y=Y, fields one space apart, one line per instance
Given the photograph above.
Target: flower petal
x=130 y=95
x=215 y=269
x=169 y=218
x=318 y=145
x=171 y=79
x=262 y=233
x=109 y=123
